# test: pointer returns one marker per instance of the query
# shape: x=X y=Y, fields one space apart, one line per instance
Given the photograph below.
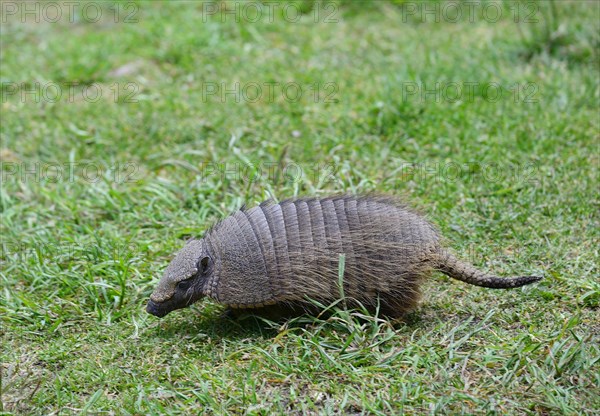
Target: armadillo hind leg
x=401 y=300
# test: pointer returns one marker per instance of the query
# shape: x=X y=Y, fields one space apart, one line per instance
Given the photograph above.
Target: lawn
x=129 y=127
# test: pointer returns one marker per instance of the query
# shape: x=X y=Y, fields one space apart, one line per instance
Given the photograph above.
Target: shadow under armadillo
x=213 y=325
x=215 y=322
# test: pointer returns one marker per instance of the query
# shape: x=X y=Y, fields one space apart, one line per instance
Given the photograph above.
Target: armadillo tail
x=457 y=269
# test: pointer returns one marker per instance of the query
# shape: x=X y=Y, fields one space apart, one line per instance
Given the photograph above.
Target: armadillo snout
x=157 y=309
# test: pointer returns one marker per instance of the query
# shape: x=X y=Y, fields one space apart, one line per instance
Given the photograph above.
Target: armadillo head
x=183 y=281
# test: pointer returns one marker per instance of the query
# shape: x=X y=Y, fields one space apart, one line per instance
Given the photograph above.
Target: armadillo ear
x=204 y=263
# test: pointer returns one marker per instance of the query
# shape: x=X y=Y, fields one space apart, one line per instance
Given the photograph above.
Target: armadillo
x=288 y=254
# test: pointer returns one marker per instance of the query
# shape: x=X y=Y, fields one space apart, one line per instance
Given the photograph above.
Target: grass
x=116 y=185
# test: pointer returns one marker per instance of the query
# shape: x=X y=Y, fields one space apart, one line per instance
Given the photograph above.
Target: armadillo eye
x=204 y=264
x=184 y=284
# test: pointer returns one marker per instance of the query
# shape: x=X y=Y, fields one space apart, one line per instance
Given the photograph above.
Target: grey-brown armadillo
x=288 y=253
